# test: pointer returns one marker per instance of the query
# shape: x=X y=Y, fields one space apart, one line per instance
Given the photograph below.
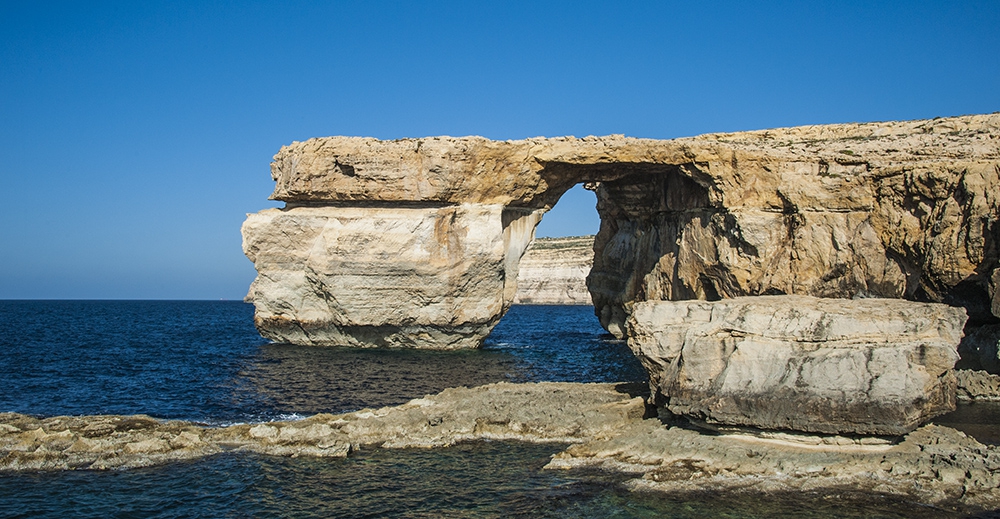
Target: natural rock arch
x=415 y=242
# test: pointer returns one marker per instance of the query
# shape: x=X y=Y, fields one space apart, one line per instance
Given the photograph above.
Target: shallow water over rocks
x=203 y=361
x=475 y=480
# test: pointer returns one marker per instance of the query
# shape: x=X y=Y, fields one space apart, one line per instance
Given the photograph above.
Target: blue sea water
x=204 y=361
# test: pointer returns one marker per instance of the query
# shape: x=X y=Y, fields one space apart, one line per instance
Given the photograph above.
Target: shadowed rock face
x=894 y=210
x=417 y=242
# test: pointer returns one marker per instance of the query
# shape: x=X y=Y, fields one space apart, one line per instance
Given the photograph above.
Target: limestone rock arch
x=416 y=242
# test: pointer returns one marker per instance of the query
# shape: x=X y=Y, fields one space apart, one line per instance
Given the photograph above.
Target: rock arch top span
x=416 y=242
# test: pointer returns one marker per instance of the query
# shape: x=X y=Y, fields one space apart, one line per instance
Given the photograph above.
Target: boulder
x=834 y=366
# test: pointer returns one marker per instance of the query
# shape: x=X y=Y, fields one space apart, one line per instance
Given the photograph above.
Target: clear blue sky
x=136 y=135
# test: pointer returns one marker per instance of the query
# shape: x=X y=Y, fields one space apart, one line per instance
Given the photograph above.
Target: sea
x=203 y=361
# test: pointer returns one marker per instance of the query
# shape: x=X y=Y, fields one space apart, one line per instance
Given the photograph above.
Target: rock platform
x=604 y=423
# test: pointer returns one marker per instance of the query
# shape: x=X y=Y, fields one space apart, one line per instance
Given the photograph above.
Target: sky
x=135 y=136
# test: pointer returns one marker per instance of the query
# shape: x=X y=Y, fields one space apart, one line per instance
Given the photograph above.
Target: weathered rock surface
x=554 y=271
x=435 y=277
x=934 y=464
x=549 y=411
x=978 y=386
x=834 y=366
x=995 y=289
x=97 y=442
x=895 y=210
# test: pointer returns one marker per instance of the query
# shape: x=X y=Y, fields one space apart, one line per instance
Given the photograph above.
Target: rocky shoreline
x=608 y=426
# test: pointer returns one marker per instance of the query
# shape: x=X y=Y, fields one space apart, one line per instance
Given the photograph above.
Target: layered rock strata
x=553 y=271
x=604 y=422
x=894 y=210
x=832 y=366
x=421 y=277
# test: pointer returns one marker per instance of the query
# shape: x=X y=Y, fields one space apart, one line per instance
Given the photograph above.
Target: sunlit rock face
x=368 y=277
x=895 y=210
x=411 y=243
x=836 y=366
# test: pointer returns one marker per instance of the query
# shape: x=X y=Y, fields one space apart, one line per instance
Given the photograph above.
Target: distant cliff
x=554 y=272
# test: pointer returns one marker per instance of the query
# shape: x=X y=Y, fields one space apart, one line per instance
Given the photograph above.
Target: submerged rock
x=801 y=363
x=605 y=422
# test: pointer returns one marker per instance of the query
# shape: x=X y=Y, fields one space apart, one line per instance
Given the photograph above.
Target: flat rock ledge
x=604 y=422
x=542 y=412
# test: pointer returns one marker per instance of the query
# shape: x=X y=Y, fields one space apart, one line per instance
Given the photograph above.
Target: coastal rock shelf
x=604 y=422
x=417 y=242
x=833 y=366
x=545 y=412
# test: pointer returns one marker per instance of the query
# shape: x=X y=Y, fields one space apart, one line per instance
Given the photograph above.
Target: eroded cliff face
x=897 y=210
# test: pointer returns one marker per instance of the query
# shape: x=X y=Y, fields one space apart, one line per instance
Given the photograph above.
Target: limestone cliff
x=554 y=271
x=432 y=277
x=897 y=210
